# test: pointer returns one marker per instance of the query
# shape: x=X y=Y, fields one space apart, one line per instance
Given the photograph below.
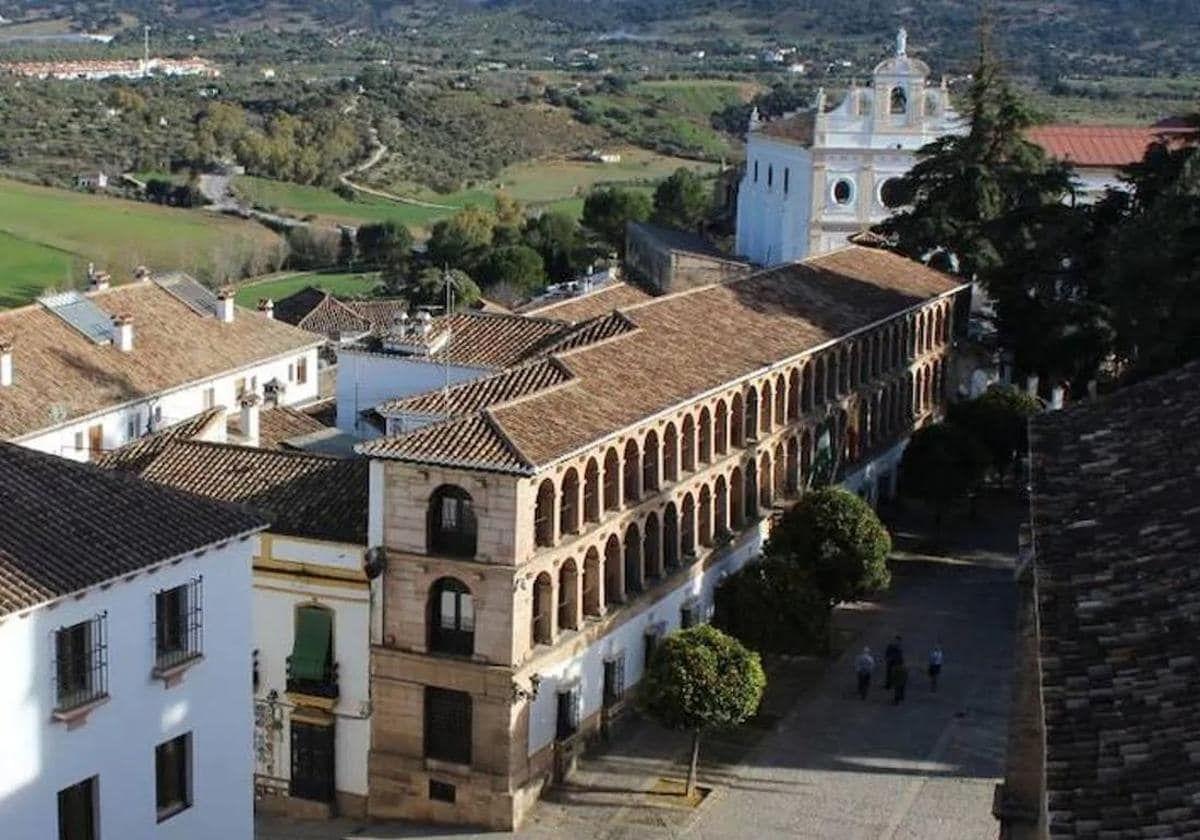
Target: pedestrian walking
x=936 y=657
x=863 y=666
x=893 y=655
x=899 y=681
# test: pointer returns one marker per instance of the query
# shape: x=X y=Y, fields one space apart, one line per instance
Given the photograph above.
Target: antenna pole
x=449 y=338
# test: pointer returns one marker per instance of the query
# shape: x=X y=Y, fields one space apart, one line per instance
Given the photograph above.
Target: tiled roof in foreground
x=66 y=526
x=302 y=494
x=592 y=304
x=1099 y=145
x=675 y=348
x=1116 y=521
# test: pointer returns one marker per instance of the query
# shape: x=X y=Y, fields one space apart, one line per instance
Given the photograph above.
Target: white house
x=314 y=598
x=84 y=373
x=125 y=634
x=815 y=178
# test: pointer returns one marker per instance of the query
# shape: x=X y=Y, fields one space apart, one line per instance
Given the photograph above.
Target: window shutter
x=310 y=651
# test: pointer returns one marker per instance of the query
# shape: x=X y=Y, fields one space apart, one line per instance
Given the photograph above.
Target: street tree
x=999 y=420
x=941 y=464
x=517 y=266
x=559 y=240
x=682 y=200
x=606 y=211
x=461 y=240
x=773 y=606
x=698 y=679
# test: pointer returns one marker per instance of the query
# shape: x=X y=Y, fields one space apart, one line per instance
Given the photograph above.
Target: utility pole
x=449 y=337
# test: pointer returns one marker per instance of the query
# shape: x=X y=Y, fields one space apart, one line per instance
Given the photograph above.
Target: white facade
x=806 y=190
x=585 y=669
x=124 y=423
x=367 y=378
x=291 y=572
x=116 y=742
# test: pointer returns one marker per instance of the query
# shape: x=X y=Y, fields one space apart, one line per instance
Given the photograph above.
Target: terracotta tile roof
x=473 y=442
x=279 y=424
x=1116 y=504
x=320 y=312
x=593 y=304
x=487 y=340
x=135 y=456
x=684 y=345
x=66 y=526
x=59 y=373
x=1112 y=146
x=380 y=313
x=590 y=332
x=469 y=397
x=294 y=308
x=303 y=495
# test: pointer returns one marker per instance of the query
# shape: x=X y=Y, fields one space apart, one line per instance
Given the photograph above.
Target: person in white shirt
x=864 y=664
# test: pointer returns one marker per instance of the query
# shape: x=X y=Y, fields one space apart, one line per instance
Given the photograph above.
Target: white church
x=814 y=178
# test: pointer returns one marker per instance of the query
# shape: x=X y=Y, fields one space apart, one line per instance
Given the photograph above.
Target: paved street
x=832 y=766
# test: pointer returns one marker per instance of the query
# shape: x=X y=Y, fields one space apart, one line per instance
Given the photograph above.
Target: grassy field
x=559 y=184
x=47 y=231
x=342 y=285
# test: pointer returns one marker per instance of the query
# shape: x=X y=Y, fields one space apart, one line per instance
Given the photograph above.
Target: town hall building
x=814 y=178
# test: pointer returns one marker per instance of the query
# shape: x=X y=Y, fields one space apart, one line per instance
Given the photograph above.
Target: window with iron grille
x=614 y=680
x=448 y=725
x=173 y=776
x=77 y=811
x=178 y=624
x=570 y=712
x=81 y=663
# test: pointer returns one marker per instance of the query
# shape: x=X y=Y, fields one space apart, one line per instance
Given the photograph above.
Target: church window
x=892 y=193
x=770 y=176
x=843 y=191
x=899 y=101
x=756 y=172
x=786 y=179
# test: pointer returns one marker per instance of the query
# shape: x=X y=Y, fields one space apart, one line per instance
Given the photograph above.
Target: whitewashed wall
x=177 y=405
x=39 y=757
x=366 y=379
x=276 y=598
x=772 y=226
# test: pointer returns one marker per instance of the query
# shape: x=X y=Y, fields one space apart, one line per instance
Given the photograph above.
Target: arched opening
x=543 y=514
x=568 y=506
x=704 y=517
x=687 y=526
x=749 y=429
x=542 y=624
x=819 y=382
x=781 y=395
x=568 y=603
x=780 y=484
x=633 y=560
x=737 y=417
x=751 y=491
x=866 y=351
x=632 y=475
x=450 y=526
x=591 y=492
x=650 y=463
x=765 y=483
x=592 y=576
x=937 y=327
x=852 y=352
x=614 y=578
x=845 y=369
x=721 y=505
x=767 y=402
x=806 y=458
x=806 y=388
x=612 y=480
x=793 y=392
x=898 y=101
x=670 y=540
x=670 y=454
x=450 y=618
x=720 y=429
x=651 y=550
x=737 y=507
x=792 y=467
x=689 y=444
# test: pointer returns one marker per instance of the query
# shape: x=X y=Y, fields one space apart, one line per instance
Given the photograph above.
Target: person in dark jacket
x=893 y=656
x=899 y=681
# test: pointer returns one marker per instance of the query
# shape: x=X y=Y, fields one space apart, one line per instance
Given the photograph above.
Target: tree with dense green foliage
x=837 y=536
x=999 y=420
x=607 y=211
x=774 y=606
x=1149 y=262
x=698 y=679
x=559 y=240
x=429 y=288
x=518 y=267
x=461 y=240
x=941 y=464
x=385 y=245
x=683 y=200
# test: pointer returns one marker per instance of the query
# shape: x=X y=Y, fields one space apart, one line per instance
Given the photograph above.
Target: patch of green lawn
x=349 y=284
x=27 y=269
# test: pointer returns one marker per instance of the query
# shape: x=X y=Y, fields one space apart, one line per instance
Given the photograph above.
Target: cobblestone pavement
x=830 y=766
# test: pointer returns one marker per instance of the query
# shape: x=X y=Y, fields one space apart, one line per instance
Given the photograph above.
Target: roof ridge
x=237 y=447
x=511 y=316
x=329 y=298
x=498 y=430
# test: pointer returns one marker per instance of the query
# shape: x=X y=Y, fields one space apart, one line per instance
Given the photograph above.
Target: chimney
x=225 y=305
x=267 y=307
x=426 y=321
x=6 y=362
x=97 y=280
x=1031 y=385
x=123 y=333
x=141 y=273
x=250 y=402
x=1056 y=397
